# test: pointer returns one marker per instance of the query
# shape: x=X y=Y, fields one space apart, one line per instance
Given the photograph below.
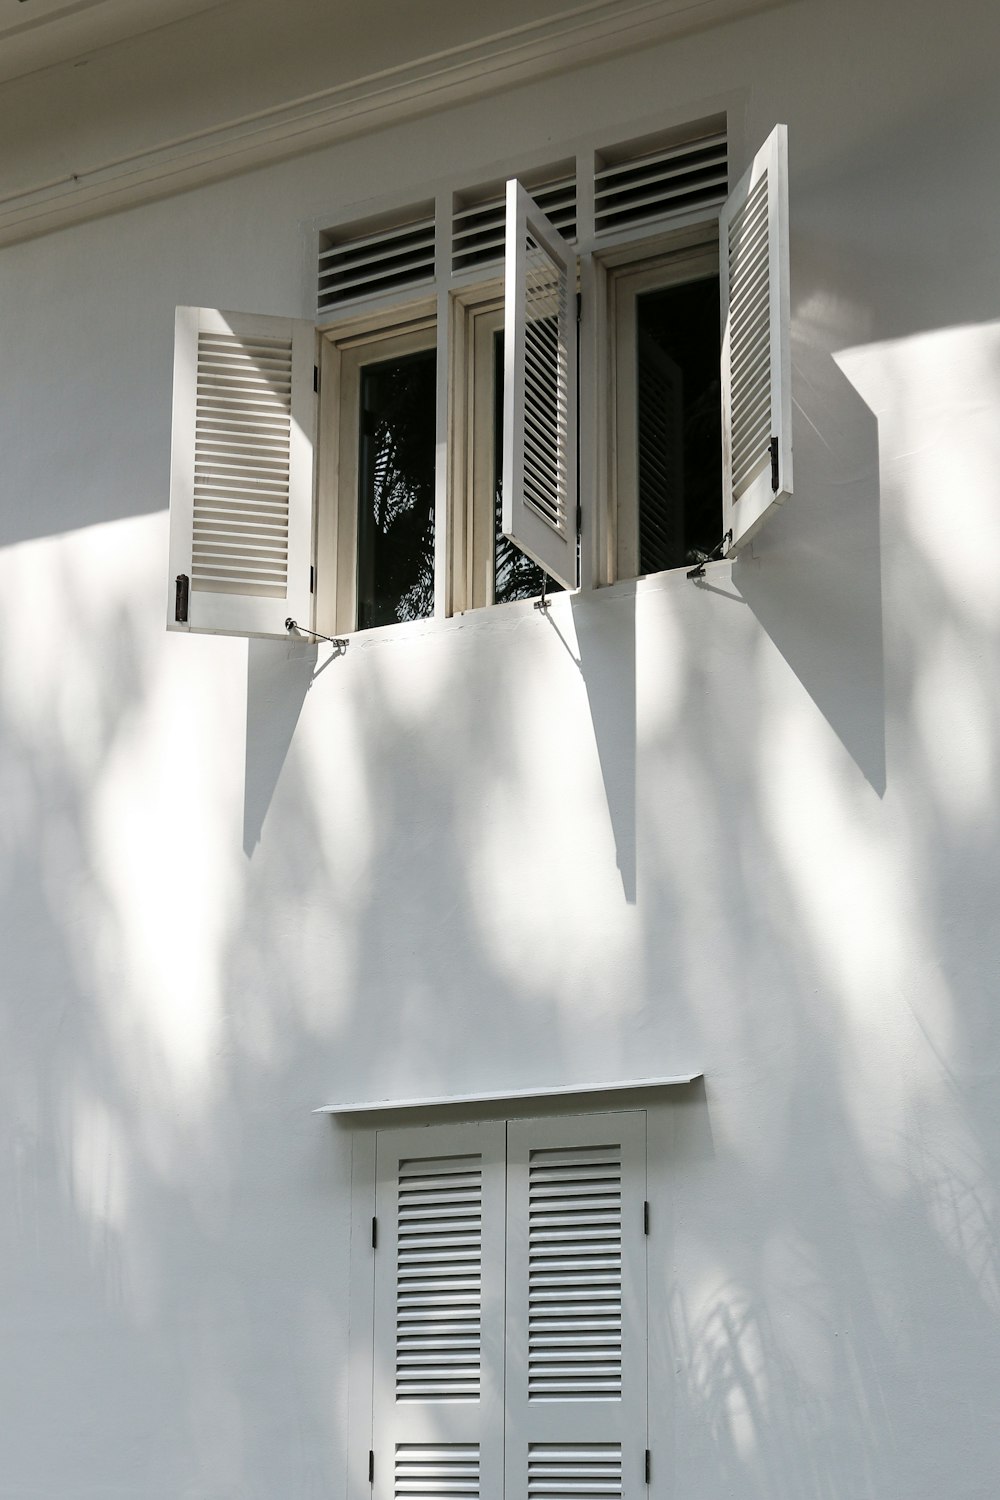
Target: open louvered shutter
x=576 y=1308
x=241 y=478
x=756 y=350
x=540 y=390
x=439 y=1288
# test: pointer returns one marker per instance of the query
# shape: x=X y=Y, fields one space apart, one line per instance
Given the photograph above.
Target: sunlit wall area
x=744 y=826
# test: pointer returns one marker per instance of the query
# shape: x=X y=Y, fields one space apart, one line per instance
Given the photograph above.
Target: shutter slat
x=241 y=483
x=756 y=356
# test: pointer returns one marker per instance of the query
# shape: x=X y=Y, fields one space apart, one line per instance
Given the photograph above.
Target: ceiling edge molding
x=588 y=33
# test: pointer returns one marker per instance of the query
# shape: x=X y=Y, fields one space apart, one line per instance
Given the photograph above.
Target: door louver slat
x=655 y=184
x=574 y=1273
x=439 y=1278
x=368 y=262
x=241 y=470
x=444 y=1471
x=558 y=1471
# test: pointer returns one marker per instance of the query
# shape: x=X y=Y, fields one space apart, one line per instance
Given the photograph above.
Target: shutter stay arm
x=700 y=558
x=335 y=640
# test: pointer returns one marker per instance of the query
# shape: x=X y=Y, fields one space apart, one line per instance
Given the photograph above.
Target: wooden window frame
x=678 y=261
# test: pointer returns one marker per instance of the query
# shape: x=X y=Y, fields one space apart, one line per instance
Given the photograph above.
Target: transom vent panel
x=439 y=1278
x=478 y=222
x=575 y=1273
x=649 y=181
x=367 y=259
x=242 y=455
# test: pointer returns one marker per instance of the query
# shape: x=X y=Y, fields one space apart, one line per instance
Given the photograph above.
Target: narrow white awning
x=502 y=1096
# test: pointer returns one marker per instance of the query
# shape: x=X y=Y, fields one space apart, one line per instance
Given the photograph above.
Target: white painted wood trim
x=587 y=33
x=548 y=541
x=630 y=1085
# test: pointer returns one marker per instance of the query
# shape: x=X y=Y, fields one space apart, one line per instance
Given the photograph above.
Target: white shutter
x=756 y=353
x=438 y=1376
x=539 y=395
x=241 y=478
x=576 y=1308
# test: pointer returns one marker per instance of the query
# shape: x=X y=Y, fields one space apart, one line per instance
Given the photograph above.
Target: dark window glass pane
x=396 y=491
x=679 y=423
x=515 y=576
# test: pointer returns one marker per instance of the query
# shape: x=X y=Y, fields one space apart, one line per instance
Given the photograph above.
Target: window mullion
x=443 y=529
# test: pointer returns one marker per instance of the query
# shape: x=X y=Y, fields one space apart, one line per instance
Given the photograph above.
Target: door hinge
x=647 y=1466
x=645 y=1217
x=316 y=378
x=312 y=578
x=181 y=590
x=374 y=1233
x=774 y=464
x=371 y=1466
x=579 y=519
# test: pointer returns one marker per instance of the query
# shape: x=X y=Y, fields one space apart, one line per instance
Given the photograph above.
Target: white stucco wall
x=749 y=828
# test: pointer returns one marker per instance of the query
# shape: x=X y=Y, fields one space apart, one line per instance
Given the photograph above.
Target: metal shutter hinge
x=645 y=1217
x=181 y=590
x=648 y=1466
x=374 y=1234
x=312 y=578
x=316 y=378
x=371 y=1466
x=774 y=464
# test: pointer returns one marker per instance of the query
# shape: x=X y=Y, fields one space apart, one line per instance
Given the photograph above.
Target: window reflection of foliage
x=399 y=412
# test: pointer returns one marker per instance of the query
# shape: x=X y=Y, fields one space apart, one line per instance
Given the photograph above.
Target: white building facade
x=641 y=948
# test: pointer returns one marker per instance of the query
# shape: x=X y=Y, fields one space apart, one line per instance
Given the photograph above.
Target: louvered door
x=576 y=1308
x=439 y=1288
x=241 y=479
x=756 y=343
x=540 y=390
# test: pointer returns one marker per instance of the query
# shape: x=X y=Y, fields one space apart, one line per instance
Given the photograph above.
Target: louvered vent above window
x=376 y=256
x=477 y=230
x=654 y=179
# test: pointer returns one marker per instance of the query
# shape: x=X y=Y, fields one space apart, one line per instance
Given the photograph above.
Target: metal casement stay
x=700 y=558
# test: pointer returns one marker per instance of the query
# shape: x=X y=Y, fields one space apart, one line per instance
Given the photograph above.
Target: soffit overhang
x=93 y=171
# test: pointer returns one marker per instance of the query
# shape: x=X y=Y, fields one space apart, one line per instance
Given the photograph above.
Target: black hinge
x=181 y=590
x=579 y=306
x=371 y=1466
x=645 y=1217
x=312 y=578
x=374 y=1233
x=316 y=378
x=774 y=464
x=648 y=1466
x=579 y=519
